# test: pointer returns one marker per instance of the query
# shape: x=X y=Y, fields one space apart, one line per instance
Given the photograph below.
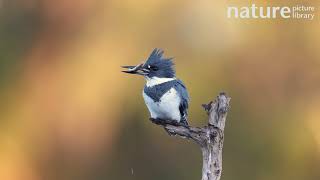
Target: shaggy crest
x=164 y=65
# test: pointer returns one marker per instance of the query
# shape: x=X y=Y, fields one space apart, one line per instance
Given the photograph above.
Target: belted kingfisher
x=165 y=96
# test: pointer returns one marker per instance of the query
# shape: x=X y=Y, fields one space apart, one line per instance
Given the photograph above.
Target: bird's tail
x=184 y=122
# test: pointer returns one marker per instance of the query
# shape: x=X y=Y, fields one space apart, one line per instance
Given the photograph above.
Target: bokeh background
x=68 y=113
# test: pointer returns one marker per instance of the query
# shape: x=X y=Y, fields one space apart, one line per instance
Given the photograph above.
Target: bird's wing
x=184 y=104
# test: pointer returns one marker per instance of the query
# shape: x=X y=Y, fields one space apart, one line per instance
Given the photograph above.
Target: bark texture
x=209 y=138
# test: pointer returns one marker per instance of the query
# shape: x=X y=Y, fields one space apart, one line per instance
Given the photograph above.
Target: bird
x=165 y=96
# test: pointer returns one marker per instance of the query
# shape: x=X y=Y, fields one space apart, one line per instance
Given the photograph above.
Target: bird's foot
x=169 y=122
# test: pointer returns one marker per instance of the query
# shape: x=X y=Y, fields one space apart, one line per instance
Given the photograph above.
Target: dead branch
x=209 y=138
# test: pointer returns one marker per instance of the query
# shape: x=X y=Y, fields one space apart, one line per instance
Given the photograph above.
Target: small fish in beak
x=135 y=70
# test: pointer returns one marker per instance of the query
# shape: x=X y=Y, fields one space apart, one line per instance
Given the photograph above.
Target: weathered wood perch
x=209 y=138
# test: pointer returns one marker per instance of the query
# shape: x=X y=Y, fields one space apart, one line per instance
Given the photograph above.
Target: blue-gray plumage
x=165 y=96
x=157 y=91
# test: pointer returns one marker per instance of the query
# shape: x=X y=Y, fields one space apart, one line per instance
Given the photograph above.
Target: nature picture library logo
x=272 y=12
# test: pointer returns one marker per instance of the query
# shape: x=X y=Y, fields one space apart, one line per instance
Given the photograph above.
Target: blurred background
x=68 y=113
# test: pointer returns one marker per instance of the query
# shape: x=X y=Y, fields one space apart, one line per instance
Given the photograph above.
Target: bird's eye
x=153 y=68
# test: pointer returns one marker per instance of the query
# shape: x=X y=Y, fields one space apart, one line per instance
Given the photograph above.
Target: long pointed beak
x=135 y=70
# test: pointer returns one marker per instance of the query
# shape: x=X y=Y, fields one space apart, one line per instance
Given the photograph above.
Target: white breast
x=166 y=108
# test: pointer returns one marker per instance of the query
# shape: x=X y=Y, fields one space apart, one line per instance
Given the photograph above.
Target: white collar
x=155 y=81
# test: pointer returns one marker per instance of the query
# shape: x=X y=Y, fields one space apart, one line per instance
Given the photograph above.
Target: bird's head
x=155 y=66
